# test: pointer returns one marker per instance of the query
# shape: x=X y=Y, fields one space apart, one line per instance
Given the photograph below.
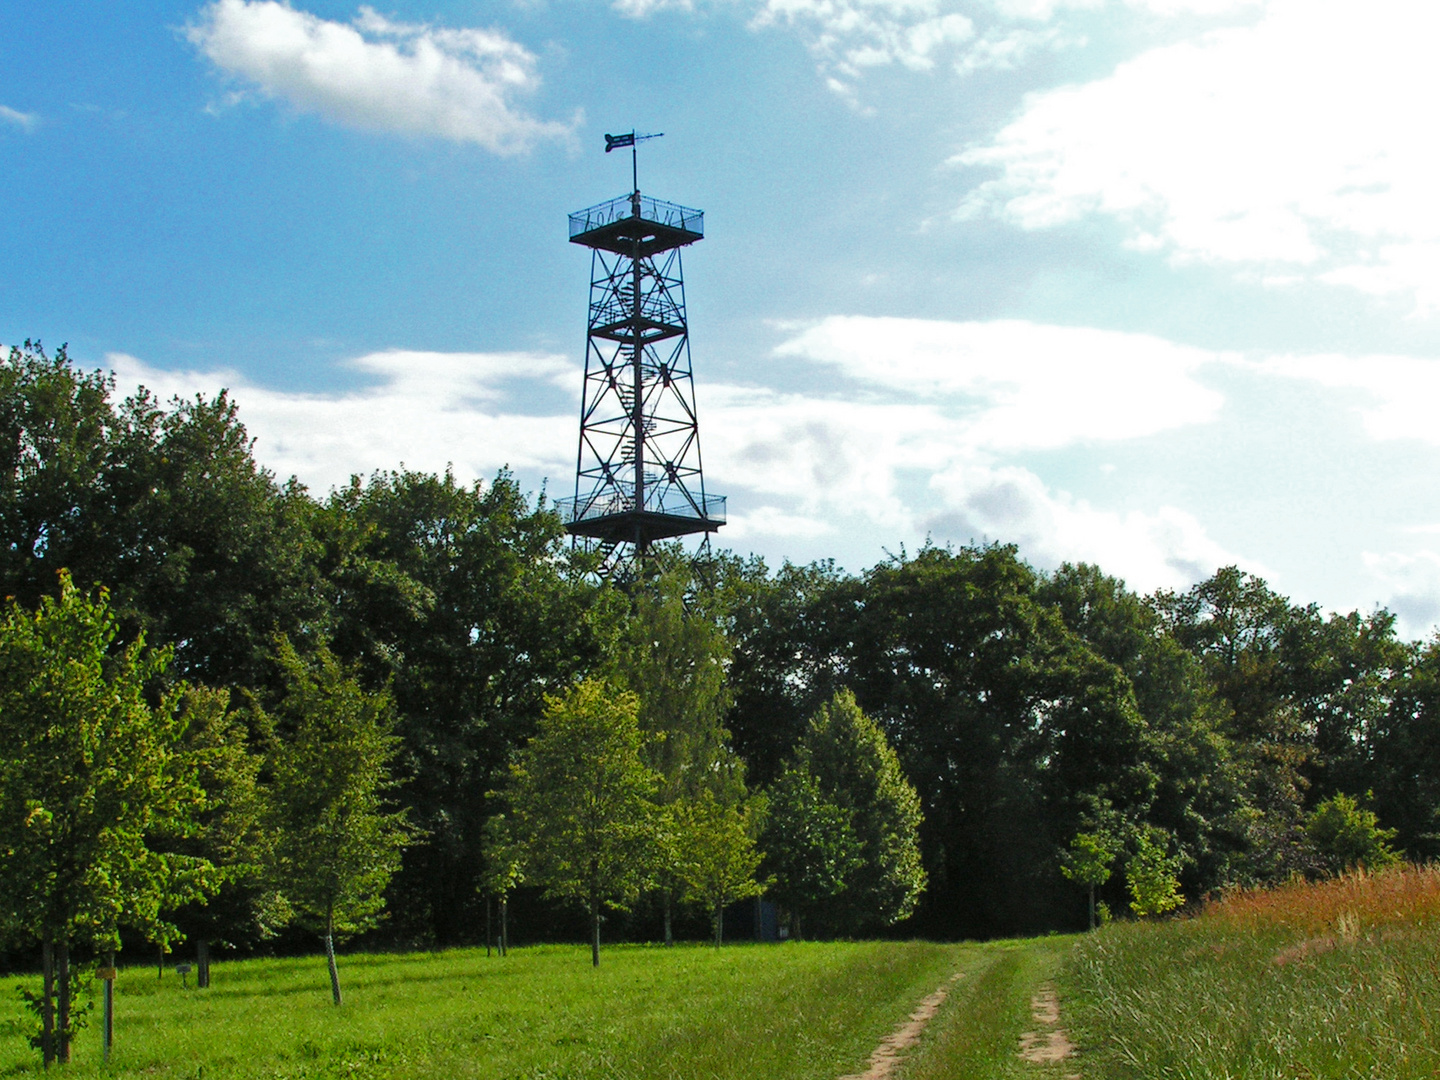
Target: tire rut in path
x=1048 y=1043
x=885 y=1057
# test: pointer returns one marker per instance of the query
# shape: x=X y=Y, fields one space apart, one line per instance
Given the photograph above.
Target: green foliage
x=1348 y=836
x=718 y=859
x=580 y=799
x=336 y=840
x=229 y=832
x=853 y=769
x=673 y=658
x=90 y=775
x=458 y=599
x=1088 y=861
x=1152 y=876
x=812 y=847
x=198 y=546
x=1015 y=701
x=1090 y=858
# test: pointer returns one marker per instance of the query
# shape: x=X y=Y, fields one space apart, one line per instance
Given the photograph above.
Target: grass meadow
x=1340 y=979
x=801 y=1010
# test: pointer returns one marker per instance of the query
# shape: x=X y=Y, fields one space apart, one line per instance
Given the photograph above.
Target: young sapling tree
x=337 y=841
x=581 y=802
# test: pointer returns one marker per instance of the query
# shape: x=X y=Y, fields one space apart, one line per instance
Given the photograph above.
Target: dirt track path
x=1047 y=1043
x=885 y=1057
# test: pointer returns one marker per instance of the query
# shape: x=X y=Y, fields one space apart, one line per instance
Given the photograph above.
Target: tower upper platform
x=619 y=224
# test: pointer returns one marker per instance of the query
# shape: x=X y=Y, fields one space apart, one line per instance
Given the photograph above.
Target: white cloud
x=1301 y=142
x=23 y=120
x=1018 y=385
x=771 y=521
x=427 y=410
x=917 y=437
x=378 y=75
x=1167 y=547
x=850 y=37
x=1400 y=394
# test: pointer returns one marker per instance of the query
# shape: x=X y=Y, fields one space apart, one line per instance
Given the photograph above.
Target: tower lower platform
x=640 y=527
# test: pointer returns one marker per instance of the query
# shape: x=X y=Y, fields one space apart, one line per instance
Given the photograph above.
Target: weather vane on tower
x=632 y=140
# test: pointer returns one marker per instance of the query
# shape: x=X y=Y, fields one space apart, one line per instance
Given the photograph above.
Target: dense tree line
x=937 y=743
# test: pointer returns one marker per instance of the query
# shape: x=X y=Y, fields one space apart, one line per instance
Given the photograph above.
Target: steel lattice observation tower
x=638 y=477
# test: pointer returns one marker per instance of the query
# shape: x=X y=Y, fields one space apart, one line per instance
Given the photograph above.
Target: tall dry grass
x=1336 y=979
x=1399 y=896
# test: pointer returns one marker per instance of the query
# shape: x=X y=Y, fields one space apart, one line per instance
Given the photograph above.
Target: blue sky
x=1149 y=283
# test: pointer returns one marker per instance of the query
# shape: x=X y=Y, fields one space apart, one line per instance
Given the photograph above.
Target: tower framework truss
x=638 y=475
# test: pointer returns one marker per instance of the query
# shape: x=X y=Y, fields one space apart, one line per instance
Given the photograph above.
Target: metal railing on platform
x=623 y=206
x=672 y=503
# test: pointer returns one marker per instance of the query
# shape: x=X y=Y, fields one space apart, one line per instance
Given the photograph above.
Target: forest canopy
x=1011 y=716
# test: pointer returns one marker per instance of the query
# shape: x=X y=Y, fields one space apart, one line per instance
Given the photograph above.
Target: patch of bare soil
x=887 y=1055
x=1047 y=1044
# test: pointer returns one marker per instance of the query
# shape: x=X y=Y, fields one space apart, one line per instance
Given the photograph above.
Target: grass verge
x=1334 y=980
x=801 y=1011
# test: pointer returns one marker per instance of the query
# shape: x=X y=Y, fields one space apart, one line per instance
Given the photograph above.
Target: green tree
x=672 y=654
x=1152 y=876
x=719 y=859
x=856 y=770
x=811 y=847
x=1088 y=861
x=504 y=873
x=91 y=772
x=1404 y=751
x=581 y=802
x=337 y=841
x=229 y=831
x=165 y=505
x=460 y=600
x=1346 y=835
x=981 y=686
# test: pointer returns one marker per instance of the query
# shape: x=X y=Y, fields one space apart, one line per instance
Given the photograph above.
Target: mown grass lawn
x=800 y=1010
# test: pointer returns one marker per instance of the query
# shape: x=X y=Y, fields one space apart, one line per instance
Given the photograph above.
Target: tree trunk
x=202 y=964
x=799 y=934
x=489 y=937
x=47 y=1002
x=719 y=922
x=107 y=1032
x=504 y=924
x=1092 y=907
x=330 y=955
x=160 y=965
x=62 y=1027
x=669 y=933
x=595 y=941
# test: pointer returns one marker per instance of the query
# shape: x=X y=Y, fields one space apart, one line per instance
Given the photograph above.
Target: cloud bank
x=1297 y=147
x=423 y=409
x=912 y=429
x=377 y=75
